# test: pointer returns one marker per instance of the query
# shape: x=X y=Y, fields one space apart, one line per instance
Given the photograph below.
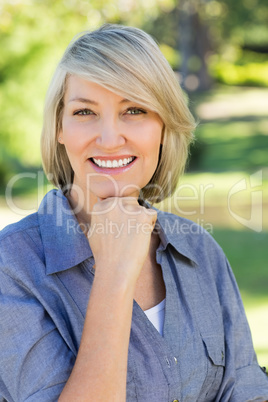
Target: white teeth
x=113 y=163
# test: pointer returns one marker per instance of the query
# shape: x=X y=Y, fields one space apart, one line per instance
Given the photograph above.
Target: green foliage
x=238 y=22
x=237 y=67
x=239 y=25
x=254 y=74
x=172 y=56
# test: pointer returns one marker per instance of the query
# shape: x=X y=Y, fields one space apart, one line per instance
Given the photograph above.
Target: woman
x=102 y=296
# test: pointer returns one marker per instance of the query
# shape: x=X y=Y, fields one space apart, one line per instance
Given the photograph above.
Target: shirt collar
x=180 y=233
x=65 y=245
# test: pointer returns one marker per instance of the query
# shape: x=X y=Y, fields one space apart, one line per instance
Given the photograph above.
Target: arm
x=101 y=366
x=250 y=383
x=35 y=361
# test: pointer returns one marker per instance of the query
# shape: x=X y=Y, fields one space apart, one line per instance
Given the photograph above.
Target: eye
x=135 y=110
x=83 y=112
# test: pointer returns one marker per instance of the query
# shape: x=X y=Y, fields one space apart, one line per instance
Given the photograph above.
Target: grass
x=250 y=271
x=236 y=151
x=232 y=134
x=248 y=254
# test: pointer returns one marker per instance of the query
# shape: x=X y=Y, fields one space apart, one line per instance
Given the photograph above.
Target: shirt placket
x=171 y=329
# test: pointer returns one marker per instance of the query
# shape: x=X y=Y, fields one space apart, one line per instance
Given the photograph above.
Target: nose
x=110 y=134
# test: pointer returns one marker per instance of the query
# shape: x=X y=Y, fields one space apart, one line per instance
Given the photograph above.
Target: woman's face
x=112 y=143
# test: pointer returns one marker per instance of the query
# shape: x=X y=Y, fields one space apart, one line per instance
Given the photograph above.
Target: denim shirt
x=46 y=273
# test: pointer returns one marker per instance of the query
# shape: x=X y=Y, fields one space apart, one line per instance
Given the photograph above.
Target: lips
x=112 y=163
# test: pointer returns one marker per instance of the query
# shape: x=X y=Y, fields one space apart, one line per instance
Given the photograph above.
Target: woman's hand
x=119 y=236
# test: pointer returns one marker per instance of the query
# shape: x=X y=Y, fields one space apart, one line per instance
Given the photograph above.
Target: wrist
x=119 y=278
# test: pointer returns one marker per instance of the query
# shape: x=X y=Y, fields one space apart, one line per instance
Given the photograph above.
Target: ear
x=60 y=140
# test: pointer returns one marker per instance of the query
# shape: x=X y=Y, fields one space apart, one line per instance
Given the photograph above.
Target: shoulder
x=182 y=231
x=194 y=242
x=186 y=227
x=20 y=244
x=27 y=230
x=20 y=232
x=15 y=229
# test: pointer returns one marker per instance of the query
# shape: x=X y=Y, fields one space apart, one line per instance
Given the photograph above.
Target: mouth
x=113 y=163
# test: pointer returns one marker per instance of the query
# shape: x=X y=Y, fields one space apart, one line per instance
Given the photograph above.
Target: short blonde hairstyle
x=128 y=62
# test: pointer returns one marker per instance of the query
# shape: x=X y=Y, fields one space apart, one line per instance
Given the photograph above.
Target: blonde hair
x=128 y=62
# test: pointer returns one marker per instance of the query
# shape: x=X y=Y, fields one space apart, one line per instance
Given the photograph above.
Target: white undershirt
x=156 y=315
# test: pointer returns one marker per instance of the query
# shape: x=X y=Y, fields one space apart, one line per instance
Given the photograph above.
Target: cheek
x=73 y=138
x=152 y=145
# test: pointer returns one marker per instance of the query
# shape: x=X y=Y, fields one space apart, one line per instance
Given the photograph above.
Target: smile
x=113 y=163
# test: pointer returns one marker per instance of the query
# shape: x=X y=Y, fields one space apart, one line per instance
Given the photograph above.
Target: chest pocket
x=215 y=351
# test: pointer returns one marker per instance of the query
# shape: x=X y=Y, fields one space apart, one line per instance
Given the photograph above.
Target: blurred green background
x=219 y=50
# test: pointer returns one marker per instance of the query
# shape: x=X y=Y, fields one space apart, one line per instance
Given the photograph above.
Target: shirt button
x=175 y=360
x=175 y=400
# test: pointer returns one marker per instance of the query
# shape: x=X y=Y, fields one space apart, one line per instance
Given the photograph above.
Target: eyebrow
x=92 y=102
x=83 y=100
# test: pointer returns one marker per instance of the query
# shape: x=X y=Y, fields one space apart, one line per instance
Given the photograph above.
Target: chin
x=108 y=190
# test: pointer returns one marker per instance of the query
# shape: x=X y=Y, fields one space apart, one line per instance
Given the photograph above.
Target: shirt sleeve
x=244 y=380
x=35 y=361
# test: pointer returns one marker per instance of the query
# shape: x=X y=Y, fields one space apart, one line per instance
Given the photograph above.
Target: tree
x=207 y=30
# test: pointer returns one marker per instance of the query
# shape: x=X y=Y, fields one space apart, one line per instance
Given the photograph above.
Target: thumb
x=153 y=214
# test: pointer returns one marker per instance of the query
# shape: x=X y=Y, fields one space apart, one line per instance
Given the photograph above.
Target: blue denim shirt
x=46 y=273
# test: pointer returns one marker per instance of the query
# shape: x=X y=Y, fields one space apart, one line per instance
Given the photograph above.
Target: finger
x=153 y=215
x=101 y=199
x=129 y=200
x=151 y=212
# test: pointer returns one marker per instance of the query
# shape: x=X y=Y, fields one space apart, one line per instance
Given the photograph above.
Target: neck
x=81 y=206
x=82 y=203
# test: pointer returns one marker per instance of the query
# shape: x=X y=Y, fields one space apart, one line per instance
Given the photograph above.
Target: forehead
x=78 y=88
x=81 y=89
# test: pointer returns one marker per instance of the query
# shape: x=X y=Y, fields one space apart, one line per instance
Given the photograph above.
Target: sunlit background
x=219 y=51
